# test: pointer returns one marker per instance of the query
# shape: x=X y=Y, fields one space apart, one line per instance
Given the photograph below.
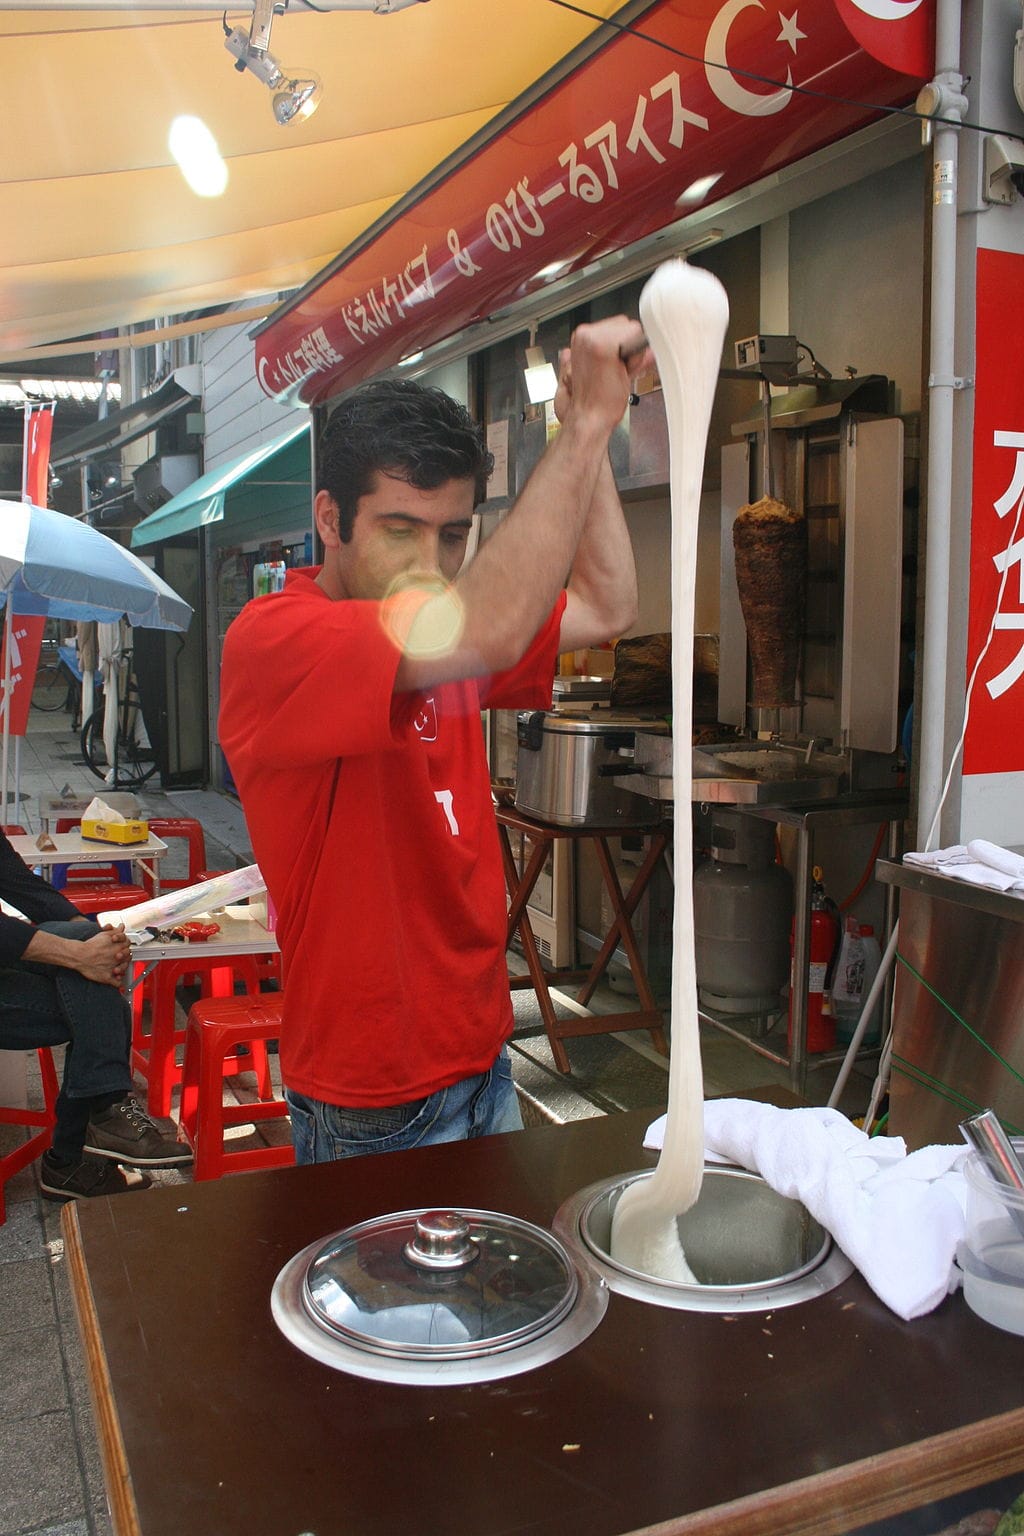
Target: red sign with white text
x=697 y=100
x=27 y=633
x=995 y=740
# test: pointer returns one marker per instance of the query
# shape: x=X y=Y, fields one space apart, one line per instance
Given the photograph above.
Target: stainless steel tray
x=749 y=773
x=758 y=773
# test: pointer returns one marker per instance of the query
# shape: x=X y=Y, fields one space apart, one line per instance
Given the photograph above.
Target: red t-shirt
x=371 y=820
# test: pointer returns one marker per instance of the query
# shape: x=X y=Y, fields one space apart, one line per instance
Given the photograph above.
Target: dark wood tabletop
x=811 y=1419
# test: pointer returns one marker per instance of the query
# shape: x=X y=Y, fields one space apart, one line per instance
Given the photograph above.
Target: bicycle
x=51 y=689
x=134 y=761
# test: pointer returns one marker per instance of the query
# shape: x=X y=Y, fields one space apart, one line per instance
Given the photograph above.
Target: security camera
x=1004 y=168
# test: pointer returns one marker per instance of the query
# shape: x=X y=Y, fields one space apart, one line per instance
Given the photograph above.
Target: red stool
x=13 y=830
x=105 y=897
x=167 y=827
x=154 y=1053
x=13 y=1162
x=216 y=1028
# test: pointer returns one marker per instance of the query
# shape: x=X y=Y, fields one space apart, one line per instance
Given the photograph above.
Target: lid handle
x=442 y=1242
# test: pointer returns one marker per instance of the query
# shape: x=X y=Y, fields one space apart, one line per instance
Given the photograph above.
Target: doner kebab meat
x=770 y=541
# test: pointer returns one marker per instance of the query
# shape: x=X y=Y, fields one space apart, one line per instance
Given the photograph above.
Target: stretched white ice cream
x=684 y=312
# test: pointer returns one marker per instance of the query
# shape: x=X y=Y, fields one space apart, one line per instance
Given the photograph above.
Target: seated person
x=60 y=979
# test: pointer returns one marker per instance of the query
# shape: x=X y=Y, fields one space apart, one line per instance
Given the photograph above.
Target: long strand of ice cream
x=684 y=312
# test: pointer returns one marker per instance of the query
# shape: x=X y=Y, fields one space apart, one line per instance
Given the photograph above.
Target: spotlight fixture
x=296 y=94
x=541 y=380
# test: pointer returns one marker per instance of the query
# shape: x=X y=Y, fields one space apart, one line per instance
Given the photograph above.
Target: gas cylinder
x=824 y=936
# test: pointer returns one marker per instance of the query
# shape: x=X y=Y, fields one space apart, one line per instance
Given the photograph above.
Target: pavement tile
x=41 y=1486
x=32 y=1371
x=21 y=1236
x=72 y=1528
x=26 y=1299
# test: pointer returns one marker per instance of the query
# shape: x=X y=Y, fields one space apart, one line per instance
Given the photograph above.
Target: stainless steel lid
x=593 y=721
x=581 y=688
x=439 y=1285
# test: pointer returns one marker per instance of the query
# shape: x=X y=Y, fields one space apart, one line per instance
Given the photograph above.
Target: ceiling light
x=297 y=94
x=698 y=190
x=552 y=269
x=299 y=99
x=409 y=359
x=541 y=380
x=194 y=148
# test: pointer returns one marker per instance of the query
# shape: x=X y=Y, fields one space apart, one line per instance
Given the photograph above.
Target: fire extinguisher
x=824 y=940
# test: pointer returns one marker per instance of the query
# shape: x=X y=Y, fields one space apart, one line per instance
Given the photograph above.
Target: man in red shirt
x=350 y=717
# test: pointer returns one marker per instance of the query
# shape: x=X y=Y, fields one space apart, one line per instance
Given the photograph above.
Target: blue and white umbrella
x=55 y=566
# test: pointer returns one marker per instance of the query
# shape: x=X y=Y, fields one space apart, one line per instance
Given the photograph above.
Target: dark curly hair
x=398 y=427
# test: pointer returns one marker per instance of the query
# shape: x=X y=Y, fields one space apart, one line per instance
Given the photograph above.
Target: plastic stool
x=153 y=1054
x=90 y=874
x=166 y=827
x=13 y=1162
x=216 y=1028
x=105 y=897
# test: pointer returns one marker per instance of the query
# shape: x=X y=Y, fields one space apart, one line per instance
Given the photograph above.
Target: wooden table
x=542 y=835
x=73 y=848
x=808 y=1421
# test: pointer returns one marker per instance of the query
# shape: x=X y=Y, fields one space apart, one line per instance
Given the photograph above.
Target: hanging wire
x=781 y=85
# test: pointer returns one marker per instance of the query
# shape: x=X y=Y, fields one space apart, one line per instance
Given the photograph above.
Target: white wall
x=238 y=415
x=856 y=277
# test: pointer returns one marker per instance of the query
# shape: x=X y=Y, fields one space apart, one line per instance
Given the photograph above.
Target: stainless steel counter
x=957 y=1006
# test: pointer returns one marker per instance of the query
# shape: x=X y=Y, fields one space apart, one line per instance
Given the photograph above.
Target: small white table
x=241 y=933
x=73 y=848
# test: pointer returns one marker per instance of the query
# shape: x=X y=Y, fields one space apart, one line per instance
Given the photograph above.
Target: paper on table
x=99 y=810
x=190 y=900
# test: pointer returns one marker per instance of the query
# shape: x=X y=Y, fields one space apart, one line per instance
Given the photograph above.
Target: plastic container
x=856 y=969
x=992 y=1253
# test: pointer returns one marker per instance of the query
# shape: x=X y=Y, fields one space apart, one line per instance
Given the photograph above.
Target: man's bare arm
x=500 y=601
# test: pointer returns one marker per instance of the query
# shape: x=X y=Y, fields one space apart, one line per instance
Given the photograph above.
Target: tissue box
x=115 y=831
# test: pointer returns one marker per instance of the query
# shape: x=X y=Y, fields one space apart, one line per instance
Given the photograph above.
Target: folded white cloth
x=977 y=862
x=897 y=1217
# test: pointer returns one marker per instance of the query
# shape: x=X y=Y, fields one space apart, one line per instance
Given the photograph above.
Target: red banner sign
x=707 y=99
x=27 y=633
x=995 y=742
x=26 y=642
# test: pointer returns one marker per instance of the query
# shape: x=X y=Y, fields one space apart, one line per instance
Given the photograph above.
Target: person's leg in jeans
x=43 y=1005
x=483 y=1105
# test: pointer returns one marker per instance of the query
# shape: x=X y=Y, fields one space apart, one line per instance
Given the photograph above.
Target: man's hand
x=594 y=372
x=103 y=958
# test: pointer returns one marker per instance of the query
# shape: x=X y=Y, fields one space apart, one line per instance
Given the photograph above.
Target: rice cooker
x=568 y=761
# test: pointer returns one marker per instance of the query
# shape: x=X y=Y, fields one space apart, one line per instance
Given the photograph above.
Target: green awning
x=203 y=501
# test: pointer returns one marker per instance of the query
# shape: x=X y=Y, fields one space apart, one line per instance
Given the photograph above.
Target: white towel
x=897 y=1217
x=978 y=863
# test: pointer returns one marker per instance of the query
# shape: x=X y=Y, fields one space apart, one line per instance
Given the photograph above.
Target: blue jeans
x=52 y=1005
x=478 y=1106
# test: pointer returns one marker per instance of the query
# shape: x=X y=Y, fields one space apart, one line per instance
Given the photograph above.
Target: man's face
x=401 y=535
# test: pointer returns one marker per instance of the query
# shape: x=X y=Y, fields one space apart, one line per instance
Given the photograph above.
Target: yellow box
x=116 y=831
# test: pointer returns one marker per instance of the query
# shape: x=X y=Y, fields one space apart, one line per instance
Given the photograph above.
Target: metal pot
x=567 y=763
x=437 y=1298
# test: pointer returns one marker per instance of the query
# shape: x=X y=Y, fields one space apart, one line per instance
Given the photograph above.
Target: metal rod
x=984 y=1133
x=939 y=670
x=992 y=1144
x=768 y=483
